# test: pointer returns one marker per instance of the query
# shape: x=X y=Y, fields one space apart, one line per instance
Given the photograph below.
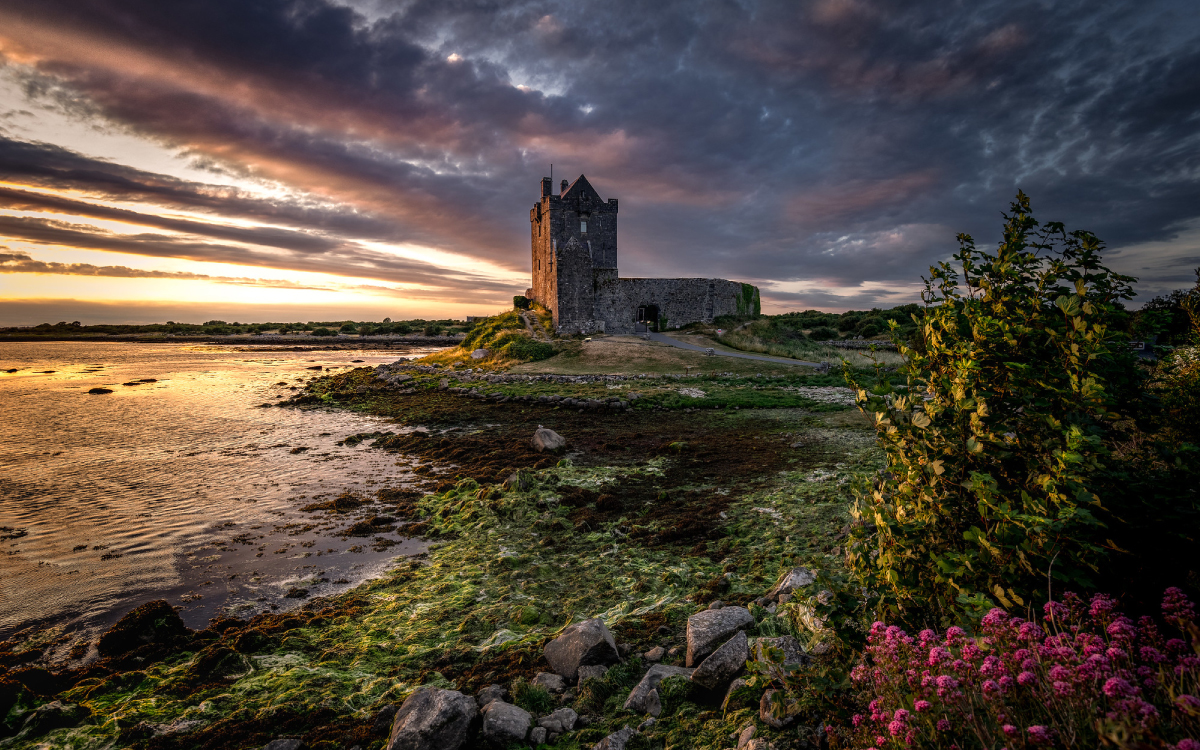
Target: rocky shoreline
x=640 y=520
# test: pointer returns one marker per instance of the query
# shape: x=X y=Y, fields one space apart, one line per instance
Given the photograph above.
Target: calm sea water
x=182 y=488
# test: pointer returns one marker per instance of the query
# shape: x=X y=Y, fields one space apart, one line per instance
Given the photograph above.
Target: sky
x=318 y=159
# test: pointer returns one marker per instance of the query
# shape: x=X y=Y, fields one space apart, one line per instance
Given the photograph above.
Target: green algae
x=511 y=567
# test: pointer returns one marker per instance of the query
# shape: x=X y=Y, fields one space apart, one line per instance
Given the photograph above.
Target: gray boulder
x=764 y=712
x=733 y=686
x=617 y=740
x=537 y=736
x=653 y=703
x=592 y=672
x=551 y=682
x=723 y=664
x=793 y=652
x=434 y=719
x=656 y=674
x=479 y=353
x=504 y=722
x=562 y=720
x=547 y=440
x=582 y=644
x=655 y=654
x=283 y=743
x=795 y=578
x=489 y=694
x=711 y=627
x=746 y=735
x=384 y=717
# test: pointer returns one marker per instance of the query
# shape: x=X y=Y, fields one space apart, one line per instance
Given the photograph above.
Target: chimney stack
x=564 y=186
x=547 y=186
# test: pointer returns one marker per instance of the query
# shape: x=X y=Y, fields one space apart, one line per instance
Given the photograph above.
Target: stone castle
x=574 y=236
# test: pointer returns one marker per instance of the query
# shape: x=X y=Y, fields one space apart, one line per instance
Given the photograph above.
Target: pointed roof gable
x=579 y=188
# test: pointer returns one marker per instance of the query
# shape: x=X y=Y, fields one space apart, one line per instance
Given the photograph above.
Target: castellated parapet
x=574 y=240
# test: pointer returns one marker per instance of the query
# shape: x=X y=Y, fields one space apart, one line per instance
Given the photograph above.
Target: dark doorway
x=647 y=318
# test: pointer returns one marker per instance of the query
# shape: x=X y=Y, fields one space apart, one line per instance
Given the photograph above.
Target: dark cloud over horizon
x=840 y=144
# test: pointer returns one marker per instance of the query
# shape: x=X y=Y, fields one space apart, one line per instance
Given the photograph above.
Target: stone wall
x=679 y=301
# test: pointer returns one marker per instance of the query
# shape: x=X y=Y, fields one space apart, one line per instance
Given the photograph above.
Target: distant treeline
x=223 y=328
x=1163 y=317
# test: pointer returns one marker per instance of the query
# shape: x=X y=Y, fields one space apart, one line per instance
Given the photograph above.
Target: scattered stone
x=551 y=682
x=759 y=744
x=793 y=652
x=733 y=686
x=592 y=672
x=537 y=736
x=710 y=627
x=383 y=718
x=653 y=703
x=764 y=712
x=582 y=644
x=720 y=667
x=99 y=391
x=746 y=735
x=796 y=578
x=504 y=722
x=675 y=651
x=716 y=604
x=479 y=353
x=655 y=654
x=284 y=743
x=545 y=439
x=656 y=674
x=624 y=649
x=561 y=721
x=434 y=719
x=617 y=740
x=489 y=694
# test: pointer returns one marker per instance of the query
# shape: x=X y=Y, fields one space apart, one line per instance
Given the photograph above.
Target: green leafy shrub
x=323 y=332
x=995 y=453
x=521 y=302
x=822 y=333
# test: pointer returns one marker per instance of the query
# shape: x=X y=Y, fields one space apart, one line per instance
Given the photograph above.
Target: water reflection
x=178 y=484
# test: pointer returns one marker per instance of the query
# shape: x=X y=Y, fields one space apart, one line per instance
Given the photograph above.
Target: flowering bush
x=995 y=450
x=1084 y=676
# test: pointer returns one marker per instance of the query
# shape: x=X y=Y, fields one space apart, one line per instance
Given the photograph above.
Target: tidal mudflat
x=178 y=483
x=670 y=493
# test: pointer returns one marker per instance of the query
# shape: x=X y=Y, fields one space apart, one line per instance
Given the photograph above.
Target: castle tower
x=574 y=241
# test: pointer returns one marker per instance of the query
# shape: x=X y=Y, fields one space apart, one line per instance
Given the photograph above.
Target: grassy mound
x=505 y=337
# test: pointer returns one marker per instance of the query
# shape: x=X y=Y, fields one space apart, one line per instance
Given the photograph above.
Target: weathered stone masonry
x=574 y=240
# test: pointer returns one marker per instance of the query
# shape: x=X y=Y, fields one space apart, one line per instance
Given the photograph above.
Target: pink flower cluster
x=1084 y=672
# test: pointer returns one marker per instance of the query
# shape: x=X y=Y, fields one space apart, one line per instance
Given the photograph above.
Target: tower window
x=583 y=227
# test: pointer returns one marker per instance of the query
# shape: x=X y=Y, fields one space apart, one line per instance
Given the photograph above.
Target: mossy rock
x=153 y=622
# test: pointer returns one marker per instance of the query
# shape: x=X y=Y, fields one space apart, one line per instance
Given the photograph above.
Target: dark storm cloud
x=842 y=142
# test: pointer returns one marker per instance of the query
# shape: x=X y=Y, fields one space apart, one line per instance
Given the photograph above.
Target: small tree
x=995 y=448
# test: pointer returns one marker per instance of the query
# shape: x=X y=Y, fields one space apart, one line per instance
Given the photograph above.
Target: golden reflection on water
x=173 y=484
